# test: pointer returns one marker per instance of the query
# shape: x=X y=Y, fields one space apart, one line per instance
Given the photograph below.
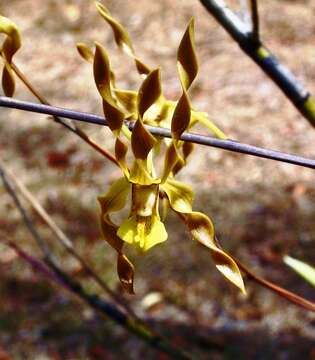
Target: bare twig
x=255 y=20
x=60 y=235
x=51 y=269
x=288 y=295
x=74 y=128
x=230 y=145
x=259 y=53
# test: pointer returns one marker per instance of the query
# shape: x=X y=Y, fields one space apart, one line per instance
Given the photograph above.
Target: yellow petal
x=187 y=63
x=13 y=40
x=202 y=230
x=179 y=195
x=143 y=232
x=202 y=117
x=116 y=197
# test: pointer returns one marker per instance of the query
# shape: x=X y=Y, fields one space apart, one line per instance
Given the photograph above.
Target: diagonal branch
x=230 y=145
x=63 y=239
x=75 y=129
x=259 y=53
x=50 y=269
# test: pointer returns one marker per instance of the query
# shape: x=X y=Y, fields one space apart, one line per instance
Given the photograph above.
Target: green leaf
x=303 y=269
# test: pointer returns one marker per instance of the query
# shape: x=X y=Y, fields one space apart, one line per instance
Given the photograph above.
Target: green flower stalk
x=143 y=228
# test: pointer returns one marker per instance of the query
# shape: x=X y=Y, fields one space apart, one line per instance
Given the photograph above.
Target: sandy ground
x=261 y=209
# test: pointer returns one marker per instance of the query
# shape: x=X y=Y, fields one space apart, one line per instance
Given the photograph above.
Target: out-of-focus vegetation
x=262 y=210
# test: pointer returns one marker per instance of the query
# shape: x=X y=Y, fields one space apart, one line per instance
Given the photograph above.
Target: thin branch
x=130 y=322
x=230 y=145
x=50 y=270
x=255 y=20
x=60 y=235
x=75 y=129
x=28 y=222
x=288 y=295
x=259 y=53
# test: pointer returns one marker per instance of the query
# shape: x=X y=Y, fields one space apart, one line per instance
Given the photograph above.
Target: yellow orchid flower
x=143 y=227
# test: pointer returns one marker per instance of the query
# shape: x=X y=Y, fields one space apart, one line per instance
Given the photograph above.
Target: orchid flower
x=143 y=228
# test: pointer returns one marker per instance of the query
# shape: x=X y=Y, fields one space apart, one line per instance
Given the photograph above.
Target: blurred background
x=261 y=209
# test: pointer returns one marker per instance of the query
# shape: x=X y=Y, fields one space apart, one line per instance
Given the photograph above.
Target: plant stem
x=230 y=145
x=259 y=53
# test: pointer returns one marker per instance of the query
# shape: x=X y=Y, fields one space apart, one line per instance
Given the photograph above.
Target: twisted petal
x=10 y=46
x=126 y=272
x=180 y=195
x=85 y=52
x=187 y=63
x=122 y=38
x=202 y=230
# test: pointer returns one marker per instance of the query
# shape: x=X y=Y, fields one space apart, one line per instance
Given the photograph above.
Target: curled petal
x=102 y=73
x=181 y=116
x=187 y=63
x=125 y=271
x=128 y=99
x=202 y=230
x=114 y=116
x=122 y=38
x=120 y=153
x=8 y=82
x=141 y=141
x=202 y=118
x=180 y=195
x=149 y=92
x=116 y=197
x=171 y=158
x=85 y=52
x=109 y=231
x=13 y=40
